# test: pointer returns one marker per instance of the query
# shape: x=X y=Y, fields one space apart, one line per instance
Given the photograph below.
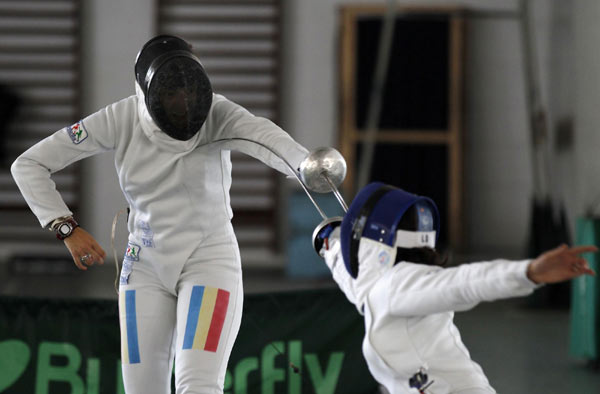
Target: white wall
x=498 y=174
x=113 y=33
x=586 y=103
x=498 y=171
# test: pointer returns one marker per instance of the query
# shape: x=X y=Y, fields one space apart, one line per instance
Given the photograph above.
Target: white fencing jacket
x=409 y=310
x=177 y=190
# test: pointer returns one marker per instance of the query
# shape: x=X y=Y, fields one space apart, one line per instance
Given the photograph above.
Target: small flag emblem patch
x=132 y=252
x=77 y=133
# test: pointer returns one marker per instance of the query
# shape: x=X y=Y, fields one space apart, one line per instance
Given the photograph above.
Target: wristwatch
x=65 y=228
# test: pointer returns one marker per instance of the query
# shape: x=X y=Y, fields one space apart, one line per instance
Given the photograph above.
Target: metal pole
x=376 y=97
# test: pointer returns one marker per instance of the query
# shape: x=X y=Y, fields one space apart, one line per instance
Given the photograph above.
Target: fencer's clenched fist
x=84 y=248
x=560 y=264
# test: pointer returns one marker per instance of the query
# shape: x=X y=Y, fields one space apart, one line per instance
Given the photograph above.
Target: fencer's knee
x=199 y=387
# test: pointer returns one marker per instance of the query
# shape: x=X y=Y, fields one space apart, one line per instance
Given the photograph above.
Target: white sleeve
x=236 y=122
x=335 y=262
x=419 y=289
x=32 y=169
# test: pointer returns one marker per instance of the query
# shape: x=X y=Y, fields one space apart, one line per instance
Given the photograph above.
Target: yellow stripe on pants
x=123 y=325
x=205 y=317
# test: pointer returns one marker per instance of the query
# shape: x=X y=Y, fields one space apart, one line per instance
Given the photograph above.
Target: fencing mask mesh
x=177 y=89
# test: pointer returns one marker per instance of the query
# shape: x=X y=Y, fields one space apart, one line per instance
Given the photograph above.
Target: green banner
x=292 y=343
x=585 y=297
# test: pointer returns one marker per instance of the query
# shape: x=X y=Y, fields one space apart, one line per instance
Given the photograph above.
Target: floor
x=523 y=350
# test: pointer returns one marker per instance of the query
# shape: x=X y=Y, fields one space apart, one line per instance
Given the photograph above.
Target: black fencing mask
x=176 y=87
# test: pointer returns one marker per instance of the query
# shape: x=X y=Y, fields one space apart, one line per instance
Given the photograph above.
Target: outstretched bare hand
x=84 y=248
x=560 y=264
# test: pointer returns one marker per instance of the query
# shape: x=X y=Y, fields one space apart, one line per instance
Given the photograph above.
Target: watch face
x=65 y=229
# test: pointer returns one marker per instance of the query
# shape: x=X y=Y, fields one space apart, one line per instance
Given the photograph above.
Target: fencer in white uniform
x=381 y=254
x=180 y=285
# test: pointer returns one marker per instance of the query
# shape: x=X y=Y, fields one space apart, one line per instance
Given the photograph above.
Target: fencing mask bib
x=176 y=87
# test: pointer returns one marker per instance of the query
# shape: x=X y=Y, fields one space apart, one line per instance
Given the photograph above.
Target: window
x=40 y=89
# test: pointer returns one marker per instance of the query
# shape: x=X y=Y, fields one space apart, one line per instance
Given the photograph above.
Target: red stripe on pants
x=218 y=318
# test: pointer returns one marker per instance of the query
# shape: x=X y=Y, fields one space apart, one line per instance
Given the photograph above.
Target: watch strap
x=73 y=225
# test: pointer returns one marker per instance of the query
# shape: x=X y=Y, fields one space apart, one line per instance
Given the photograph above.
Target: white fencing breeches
x=193 y=325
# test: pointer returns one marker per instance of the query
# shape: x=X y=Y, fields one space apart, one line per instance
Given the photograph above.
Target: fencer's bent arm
x=418 y=289
x=32 y=176
x=32 y=169
x=236 y=122
x=334 y=260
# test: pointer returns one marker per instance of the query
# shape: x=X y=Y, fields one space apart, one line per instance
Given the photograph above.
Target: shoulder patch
x=77 y=132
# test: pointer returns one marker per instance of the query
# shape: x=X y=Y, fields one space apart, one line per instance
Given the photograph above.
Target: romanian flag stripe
x=123 y=324
x=216 y=325
x=192 y=320
x=206 y=316
x=132 y=334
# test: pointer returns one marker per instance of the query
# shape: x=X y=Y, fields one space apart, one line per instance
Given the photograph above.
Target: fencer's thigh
x=209 y=311
x=147 y=313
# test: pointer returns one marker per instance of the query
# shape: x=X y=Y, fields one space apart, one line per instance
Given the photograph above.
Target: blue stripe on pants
x=192 y=319
x=132 y=334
